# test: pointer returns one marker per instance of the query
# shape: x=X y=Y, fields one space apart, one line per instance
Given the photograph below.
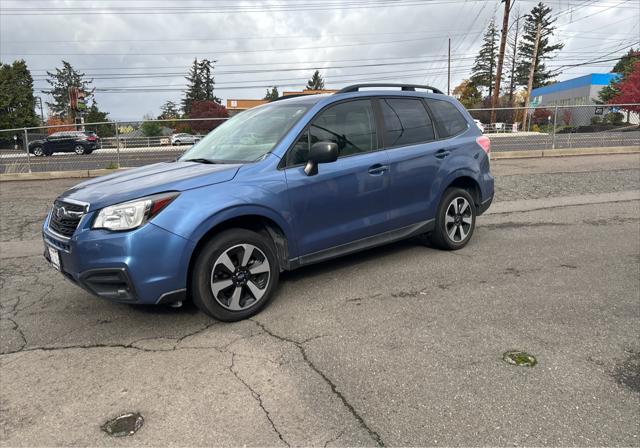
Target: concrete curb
x=536 y=153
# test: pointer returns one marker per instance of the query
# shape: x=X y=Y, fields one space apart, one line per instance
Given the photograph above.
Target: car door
x=52 y=143
x=67 y=142
x=410 y=140
x=348 y=199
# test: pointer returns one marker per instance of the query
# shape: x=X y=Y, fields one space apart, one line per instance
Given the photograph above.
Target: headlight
x=130 y=215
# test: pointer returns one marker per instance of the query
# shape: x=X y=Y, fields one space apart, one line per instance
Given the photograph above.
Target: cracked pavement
x=399 y=345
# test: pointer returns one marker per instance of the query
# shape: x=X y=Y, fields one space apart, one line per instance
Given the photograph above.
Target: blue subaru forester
x=290 y=183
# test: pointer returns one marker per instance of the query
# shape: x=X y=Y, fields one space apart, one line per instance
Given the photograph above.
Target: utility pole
x=503 y=43
x=449 y=70
x=512 y=85
x=532 y=71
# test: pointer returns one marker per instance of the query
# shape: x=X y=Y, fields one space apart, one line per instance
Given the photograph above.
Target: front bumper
x=147 y=265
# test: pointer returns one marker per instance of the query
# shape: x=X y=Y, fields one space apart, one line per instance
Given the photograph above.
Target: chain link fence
x=131 y=144
x=561 y=127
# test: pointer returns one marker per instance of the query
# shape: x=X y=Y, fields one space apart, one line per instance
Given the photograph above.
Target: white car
x=184 y=139
x=480 y=125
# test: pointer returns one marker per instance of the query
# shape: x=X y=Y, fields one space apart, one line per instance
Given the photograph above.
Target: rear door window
x=448 y=118
x=406 y=122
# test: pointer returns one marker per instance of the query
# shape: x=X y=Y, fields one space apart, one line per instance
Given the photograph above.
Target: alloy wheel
x=38 y=152
x=240 y=277
x=458 y=219
x=79 y=149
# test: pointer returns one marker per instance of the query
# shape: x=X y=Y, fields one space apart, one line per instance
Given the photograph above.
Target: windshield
x=247 y=136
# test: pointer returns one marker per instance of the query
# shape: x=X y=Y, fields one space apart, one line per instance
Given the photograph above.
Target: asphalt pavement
x=397 y=346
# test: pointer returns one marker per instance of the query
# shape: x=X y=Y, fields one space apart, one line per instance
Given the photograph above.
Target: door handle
x=377 y=169
x=442 y=153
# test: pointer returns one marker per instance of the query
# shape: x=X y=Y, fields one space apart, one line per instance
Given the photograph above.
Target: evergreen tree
x=541 y=76
x=624 y=67
x=205 y=70
x=483 y=73
x=272 y=94
x=169 y=110
x=17 y=103
x=316 y=82
x=60 y=82
x=195 y=89
x=95 y=115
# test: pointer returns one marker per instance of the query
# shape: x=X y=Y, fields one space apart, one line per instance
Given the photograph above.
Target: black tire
x=38 y=151
x=440 y=237
x=79 y=150
x=205 y=270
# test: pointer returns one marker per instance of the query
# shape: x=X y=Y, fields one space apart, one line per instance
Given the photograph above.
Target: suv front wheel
x=235 y=275
x=455 y=221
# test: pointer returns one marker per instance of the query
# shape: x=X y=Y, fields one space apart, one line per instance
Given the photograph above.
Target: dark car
x=80 y=142
x=277 y=187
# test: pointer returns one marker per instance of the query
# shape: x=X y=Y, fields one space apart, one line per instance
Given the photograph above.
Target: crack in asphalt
x=132 y=345
x=373 y=434
x=258 y=398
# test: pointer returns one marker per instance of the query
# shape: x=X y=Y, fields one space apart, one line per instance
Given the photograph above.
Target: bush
x=614 y=118
x=596 y=120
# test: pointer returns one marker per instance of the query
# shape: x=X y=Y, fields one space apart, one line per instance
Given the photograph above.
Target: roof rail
x=295 y=95
x=405 y=87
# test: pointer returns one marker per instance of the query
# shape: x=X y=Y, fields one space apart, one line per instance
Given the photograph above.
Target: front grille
x=65 y=218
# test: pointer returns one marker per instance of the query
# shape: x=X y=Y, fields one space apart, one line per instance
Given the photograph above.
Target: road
x=401 y=345
x=16 y=161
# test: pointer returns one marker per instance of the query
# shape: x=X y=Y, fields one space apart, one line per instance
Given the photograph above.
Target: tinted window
x=406 y=122
x=449 y=119
x=350 y=125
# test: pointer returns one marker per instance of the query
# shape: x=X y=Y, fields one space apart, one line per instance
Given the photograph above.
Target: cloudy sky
x=138 y=51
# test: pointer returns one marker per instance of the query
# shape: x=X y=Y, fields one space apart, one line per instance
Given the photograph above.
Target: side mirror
x=321 y=152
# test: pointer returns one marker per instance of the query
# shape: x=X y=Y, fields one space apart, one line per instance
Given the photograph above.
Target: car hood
x=157 y=178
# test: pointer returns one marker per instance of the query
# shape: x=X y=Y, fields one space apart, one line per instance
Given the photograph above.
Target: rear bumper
x=146 y=266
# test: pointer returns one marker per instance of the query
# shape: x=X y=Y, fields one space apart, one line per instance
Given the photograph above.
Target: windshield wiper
x=200 y=160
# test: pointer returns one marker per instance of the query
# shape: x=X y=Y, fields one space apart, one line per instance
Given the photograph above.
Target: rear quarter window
x=448 y=118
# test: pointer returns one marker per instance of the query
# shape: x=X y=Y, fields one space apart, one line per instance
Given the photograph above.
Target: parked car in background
x=184 y=139
x=480 y=125
x=287 y=184
x=80 y=142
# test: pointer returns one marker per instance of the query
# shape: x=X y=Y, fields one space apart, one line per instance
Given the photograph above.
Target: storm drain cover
x=123 y=425
x=518 y=358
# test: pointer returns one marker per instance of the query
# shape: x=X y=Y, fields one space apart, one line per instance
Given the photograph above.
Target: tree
x=483 y=73
x=316 y=82
x=200 y=84
x=169 y=111
x=195 y=90
x=207 y=109
x=467 y=93
x=17 y=103
x=60 y=82
x=151 y=128
x=629 y=89
x=205 y=69
x=541 y=75
x=272 y=94
x=624 y=67
x=95 y=115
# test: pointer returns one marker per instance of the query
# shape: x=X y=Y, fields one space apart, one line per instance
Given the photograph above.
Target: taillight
x=484 y=142
x=91 y=138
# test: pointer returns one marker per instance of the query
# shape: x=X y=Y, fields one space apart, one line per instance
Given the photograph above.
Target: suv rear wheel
x=235 y=275
x=79 y=149
x=455 y=221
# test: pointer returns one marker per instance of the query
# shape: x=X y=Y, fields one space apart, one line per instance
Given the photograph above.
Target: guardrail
x=124 y=144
